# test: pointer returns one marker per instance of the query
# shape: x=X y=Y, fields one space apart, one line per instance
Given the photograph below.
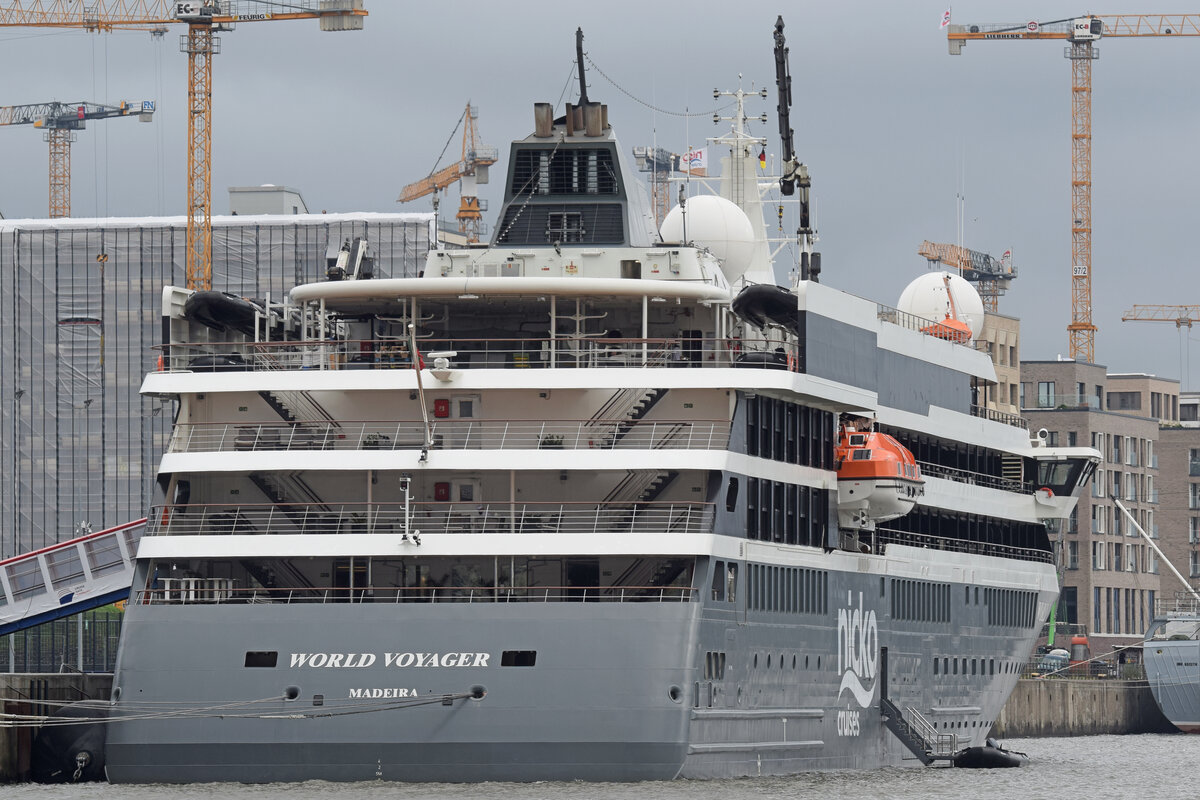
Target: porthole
x=768 y=660
x=291 y=693
x=793 y=660
x=676 y=694
x=756 y=660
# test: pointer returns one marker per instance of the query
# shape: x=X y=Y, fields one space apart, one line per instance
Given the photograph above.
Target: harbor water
x=1158 y=765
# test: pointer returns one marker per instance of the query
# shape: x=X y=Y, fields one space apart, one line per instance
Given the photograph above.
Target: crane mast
x=60 y=121
x=204 y=19
x=1081 y=34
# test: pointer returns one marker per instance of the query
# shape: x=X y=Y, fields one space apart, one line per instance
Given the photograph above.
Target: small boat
x=222 y=311
x=878 y=478
x=762 y=305
x=990 y=756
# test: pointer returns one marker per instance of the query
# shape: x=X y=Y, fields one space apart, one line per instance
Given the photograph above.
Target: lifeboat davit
x=878 y=478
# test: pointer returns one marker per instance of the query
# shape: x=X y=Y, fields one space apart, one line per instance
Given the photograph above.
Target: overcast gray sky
x=890 y=125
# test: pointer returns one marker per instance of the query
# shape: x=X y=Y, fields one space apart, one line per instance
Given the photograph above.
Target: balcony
x=457 y=434
x=208 y=591
x=1065 y=402
x=431 y=518
x=482 y=354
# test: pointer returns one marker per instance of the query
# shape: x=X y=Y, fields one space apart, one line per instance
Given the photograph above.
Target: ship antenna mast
x=583 y=98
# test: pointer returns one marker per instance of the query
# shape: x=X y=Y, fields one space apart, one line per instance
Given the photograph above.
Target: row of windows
x=784 y=512
x=983 y=530
x=1011 y=607
x=920 y=601
x=949 y=454
x=1123 y=610
x=783 y=431
x=791 y=590
x=1117 y=557
x=978 y=666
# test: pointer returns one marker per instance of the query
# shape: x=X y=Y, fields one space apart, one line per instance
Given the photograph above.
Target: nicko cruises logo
x=858 y=662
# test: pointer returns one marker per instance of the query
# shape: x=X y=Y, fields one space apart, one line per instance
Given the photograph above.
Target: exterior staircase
x=918 y=734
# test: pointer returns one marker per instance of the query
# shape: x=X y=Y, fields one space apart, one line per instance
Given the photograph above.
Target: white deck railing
x=432 y=518
x=453 y=435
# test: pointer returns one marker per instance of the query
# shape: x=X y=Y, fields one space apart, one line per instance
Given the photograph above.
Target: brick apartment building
x=1110 y=574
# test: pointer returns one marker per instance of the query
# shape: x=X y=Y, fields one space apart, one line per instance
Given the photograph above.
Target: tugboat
x=878 y=478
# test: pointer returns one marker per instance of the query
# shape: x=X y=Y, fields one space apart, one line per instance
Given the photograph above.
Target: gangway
x=68 y=578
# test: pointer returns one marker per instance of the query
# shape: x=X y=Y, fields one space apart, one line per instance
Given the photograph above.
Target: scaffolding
x=80 y=310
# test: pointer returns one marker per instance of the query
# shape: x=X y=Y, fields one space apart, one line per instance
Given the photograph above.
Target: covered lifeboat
x=878 y=478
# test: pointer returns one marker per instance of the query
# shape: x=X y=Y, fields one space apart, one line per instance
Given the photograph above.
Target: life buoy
x=1046 y=489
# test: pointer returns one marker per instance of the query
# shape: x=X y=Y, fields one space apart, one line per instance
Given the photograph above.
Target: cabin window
x=261 y=658
x=862 y=455
x=718 y=581
x=731 y=494
x=731 y=585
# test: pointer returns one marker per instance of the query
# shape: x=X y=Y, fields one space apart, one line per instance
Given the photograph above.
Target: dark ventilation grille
x=261 y=658
x=564 y=171
x=547 y=223
x=518 y=658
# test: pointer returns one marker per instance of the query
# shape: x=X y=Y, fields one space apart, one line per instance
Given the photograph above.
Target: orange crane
x=471 y=169
x=1082 y=34
x=204 y=20
x=992 y=274
x=60 y=121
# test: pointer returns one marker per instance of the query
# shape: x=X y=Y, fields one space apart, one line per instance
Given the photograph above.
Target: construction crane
x=471 y=169
x=1182 y=316
x=660 y=164
x=1081 y=33
x=204 y=21
x=60 y=121
x=991 y=274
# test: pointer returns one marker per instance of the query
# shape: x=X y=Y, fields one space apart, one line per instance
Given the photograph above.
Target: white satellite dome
x=717 y=224
x=926 y=297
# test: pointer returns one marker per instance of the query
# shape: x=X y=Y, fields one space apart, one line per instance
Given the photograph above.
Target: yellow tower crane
x=60 y=121
x=1081 y=33
x=204 y=20
x=471 y=169
x=991 y=274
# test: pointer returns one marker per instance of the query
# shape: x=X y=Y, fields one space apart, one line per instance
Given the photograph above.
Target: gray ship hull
x=612 y=691
x=1173 y=672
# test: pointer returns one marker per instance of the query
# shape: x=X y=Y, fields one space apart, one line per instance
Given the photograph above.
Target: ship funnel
x=543 y=120
x=593 y=122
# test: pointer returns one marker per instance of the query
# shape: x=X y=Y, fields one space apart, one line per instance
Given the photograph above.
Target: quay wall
x=34 y=693
x=1051 y=707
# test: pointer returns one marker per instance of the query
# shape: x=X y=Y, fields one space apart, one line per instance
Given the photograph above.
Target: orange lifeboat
x=878 y=478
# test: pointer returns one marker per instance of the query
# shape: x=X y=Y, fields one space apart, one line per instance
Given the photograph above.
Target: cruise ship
x=592 y=501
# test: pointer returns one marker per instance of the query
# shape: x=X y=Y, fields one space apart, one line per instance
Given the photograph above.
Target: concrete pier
x=1064 y=707
x=28 y=694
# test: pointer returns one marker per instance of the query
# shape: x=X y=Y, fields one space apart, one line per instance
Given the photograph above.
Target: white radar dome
x=717 y=224
x=929 y=297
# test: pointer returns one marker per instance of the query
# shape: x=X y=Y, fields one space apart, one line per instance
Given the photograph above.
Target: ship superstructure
x=551 y=510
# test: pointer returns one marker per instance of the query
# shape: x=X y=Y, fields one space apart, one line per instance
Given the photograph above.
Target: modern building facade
x=1110 y=574
x=80 y=314
x=1179 y=490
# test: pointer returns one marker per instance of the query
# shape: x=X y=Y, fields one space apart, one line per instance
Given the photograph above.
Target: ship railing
x=1016 y=420
x=912 y=322
x=431 y=518
x=877 y=540
x=207 y=591
x=1180 y=602
x=937 y=743
x=515 y=353
x=931 y=470
x=457 y=434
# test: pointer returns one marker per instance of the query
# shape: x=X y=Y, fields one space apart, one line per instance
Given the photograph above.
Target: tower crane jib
x=204 y=19
x=1080 y=33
